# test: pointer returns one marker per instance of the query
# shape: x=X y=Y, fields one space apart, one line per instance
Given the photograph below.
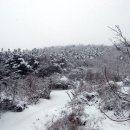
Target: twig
x=120 y=97
x=123 y=120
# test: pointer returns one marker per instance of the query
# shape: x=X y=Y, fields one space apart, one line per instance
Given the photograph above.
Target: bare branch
x=120 y=39
x=117 y=94
x=117 y=120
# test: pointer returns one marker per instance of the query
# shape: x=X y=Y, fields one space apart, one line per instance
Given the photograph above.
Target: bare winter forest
x=83 y=87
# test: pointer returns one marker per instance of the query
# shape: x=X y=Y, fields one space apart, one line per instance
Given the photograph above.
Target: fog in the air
x=40 y=23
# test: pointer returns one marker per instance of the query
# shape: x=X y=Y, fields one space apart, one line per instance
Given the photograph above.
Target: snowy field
x=35 y=116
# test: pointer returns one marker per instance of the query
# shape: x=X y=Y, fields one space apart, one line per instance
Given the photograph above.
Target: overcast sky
x=40 y=23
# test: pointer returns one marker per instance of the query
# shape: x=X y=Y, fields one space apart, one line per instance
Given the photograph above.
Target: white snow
x=35 y=116
x=36 y=62
x=21 y=59
x=125 y=89
x=107 y=124
x=99 y=121
x=120 y=83
x=64 y=79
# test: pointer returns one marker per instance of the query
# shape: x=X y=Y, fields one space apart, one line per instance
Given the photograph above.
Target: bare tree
x=121 y=43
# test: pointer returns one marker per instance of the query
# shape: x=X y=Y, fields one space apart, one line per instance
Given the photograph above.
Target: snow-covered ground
x=98 y=121
x=35 y=116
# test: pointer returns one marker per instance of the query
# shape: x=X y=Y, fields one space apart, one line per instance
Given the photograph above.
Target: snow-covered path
x=35 y=116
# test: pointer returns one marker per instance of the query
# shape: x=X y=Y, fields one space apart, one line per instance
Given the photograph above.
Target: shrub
x=9 y=105
x=77 y=74
x=28 y=89
x=36 y=88
x=68 y=121
x=112 y=100
x=58 y=81
x=93 y=75
x=48 y=70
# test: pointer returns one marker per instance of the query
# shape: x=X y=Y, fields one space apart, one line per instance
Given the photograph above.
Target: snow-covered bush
x=58 y=81
x=61 y=61
x=28 y=89
x=113 y=100
x=11 y=94
x=16 y=63
x=78 y=73
x=11 y=98
x=91 y=75
x=36 y=88
x=47 y=70
x=10 y=105
x=94 y=75
x=126 y=81
x=70 y=121
x=106 y=93
x=74 y=118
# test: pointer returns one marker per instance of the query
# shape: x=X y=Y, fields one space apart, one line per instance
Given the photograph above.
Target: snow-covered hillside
x=35 y=116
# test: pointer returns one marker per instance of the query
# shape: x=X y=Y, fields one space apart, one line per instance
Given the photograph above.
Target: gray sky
x=40 y=23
